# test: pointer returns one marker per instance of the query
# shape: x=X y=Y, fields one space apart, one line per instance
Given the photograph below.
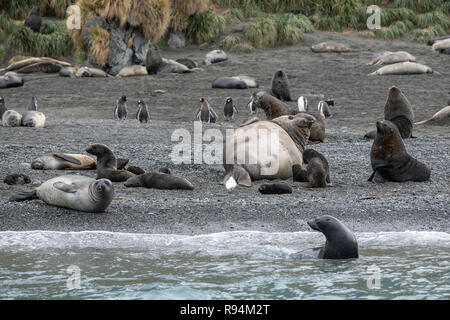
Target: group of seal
x=31 y=118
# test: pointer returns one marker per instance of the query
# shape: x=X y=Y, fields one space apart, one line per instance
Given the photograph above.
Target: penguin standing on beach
x=205 y=113
x=324 y=109
x=34 y=20
x=142 y=112
x=121 y=108
x=229 y=109
x=302 y=104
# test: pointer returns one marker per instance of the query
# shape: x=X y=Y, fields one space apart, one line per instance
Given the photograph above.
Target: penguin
x=324 y=109
x=34 y=20
x=302 y=104
x=142 y=112
x=205 y=113
x=121 y=108
x=33 y=118
x=229 y=109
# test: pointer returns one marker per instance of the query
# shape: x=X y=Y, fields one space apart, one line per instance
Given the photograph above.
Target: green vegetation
x=204 y=27
x=236 y=43
x=99 y=43
x=18 y=9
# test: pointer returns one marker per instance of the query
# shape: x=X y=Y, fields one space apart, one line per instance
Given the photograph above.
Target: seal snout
x=313 y=224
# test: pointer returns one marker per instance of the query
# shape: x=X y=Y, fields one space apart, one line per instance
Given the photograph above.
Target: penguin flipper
x=67 y=158
x=24 y=196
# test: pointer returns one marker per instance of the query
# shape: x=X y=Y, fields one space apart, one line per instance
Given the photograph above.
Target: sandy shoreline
x=80 y=112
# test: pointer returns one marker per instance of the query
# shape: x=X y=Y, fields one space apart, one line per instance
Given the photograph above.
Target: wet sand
x=81 y=111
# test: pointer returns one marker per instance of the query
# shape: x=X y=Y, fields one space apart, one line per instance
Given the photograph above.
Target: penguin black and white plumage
x=206 y=113
x=324 y=109
x=142 y=112
x=34 y=20
x=229 y=109
x=121 y=108
x=302 y=104
x=3 y=108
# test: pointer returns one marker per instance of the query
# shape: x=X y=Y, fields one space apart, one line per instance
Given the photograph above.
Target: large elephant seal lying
x=33 y=118
x=398 y=110
x=251 y=82
x=215 y=56
x=72 y=192
x=441 y=44
x=403 y=68
x=42 y=66
x=330 y=46
x=442 y=117
x=389 y=158
x=389 y=57
x=229 y=83
x=62 y=161
x=10 y=80
x=91 y=72
x=280 y=86
x=432 y=41
x=341 y=242
x=107 y=164
x=266 y=149
x=159 y=180
x=132 y=71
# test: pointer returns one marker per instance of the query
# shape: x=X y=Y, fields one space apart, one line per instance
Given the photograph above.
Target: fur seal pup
x=33 y=118
x=330 y=46
x=10 y=80
x=266 y=149
x=15 y=178
x=62 y=161
x=317 y=172
x=136 y=170
x=441 y=44
x=229 y=109
x=159 y=180
x=34 y=19
x=251 y=82
x=153 y=61
x=107 y=164
x=274 y=188
x=442 y=117
x=341 y=242
x=121 y=110
x=215 y=56
x=403 y=68
x=432 y=41
x=302 y=103
x=389 y=57
x=142 y=112
x=229 y=83
x=280 y=86
x=72 y=192
x=389 y=158
x=206 y=113
x=188 y=63
x=132 y=71
x=11 y=118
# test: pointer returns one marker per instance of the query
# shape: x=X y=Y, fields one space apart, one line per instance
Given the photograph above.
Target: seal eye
x=291 y=117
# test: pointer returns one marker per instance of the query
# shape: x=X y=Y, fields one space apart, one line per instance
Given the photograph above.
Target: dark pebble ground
x=80 y=112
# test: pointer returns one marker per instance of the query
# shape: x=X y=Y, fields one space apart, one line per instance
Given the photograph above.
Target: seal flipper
x=240 y=175
x=67 y=158
x=121 y=163
x=69 y=188
x=249 y=121
x=136 y=170
x=24 y=196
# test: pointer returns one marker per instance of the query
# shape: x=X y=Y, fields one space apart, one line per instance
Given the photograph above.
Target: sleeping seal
x=266 y=149
x=72 y=192
x=11 y=118
x=389 y=158
x=403 y=68
x=330 y=46
x=33 y=118
x=10 y=80
x=91 y=72
x=274 y=188
x=441 y=44
x=341 y=242
x=215 y=56
x=132 y=71
x=62 y=161
x=229 y=83
x=251 y=82
x=432 y=41
x=280 y=86
x=159 y=180
x=388 y=57
x=442 y=117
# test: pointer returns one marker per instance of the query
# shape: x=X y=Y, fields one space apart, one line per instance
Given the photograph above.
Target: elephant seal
x=42 y=66
x=62 y=161
x=442 y=117
x=91 y=72
x=266 y=149
x=67 y=72
x=215 y=56
x=206 y=113
x=34 y=19
x=388 y=57
x=171 y=66
x=398 y=110
x=33 y=118
x=389 y=158
x=188 y=63
x=432 y=41
x=274 y=188
x=229 y=109
x=121 y=110
x=330 y=46
x=159 y=180
x=10 y=80
x=251 y=82
x=341 y=242
x=16 y=178
x=132 y=71
x=229 y=83
x=72 y=192
x=11 y=118
x=441 y=44
x=153 y=61
x=107 y=164
x=280 y=86
x=403 y=68
x=142 y=112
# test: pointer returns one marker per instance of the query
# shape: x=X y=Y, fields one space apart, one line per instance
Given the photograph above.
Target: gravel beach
x=81 y=112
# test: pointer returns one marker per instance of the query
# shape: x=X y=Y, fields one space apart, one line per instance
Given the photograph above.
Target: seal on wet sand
x=274 y=188
x=403 y=68
x=280 y=86
x=62 y=161
x=229 y=83
x=330 y=46
x=10 y=80
x=442 y=117
x=73 y=192
x=33 y=118
x=215 y=56
x=159 y=180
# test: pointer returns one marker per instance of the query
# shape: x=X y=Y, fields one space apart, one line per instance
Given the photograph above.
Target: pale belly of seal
x=264 y=149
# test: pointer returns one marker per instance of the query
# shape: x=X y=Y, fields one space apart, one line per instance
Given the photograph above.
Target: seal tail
x=24 y=196
x=421 y=122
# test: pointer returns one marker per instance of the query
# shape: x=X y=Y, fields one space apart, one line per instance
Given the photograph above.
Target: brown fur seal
x=34 y=19
x=442 y=117
x=107 y=164
x=153 y=60
x=280 y=86
x=266 y=149
x=317 y=172
x=17 y=178
x=389 y=158
x=274 y=188
x=159 y=180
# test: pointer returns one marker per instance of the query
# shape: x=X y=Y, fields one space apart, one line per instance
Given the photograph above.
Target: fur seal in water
x=33 y=118
x=266 y=149
x=403 y=68
x=73 y=192
x=62 y=161
x=121 y=108
x=34 y=19
x=317 y=172
x=159 y=180
x=389 y=158
x=229 y=83
x=10 y=80
x=341 y=242
x=206 y=113
x=442 y=117
x=280 y=86
x=274 y=188
x=107 y=164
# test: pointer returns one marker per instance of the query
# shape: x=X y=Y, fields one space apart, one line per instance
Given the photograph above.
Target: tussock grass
x=423 y=35
x=389 y=16
x=99 y=43
x=262 y=33
x=419 y=6
x=179 y=21
x=205 y=27
x=235 y=43
x=6 y=24
x=190 y=7
x=2 y=53
x=433 y=18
